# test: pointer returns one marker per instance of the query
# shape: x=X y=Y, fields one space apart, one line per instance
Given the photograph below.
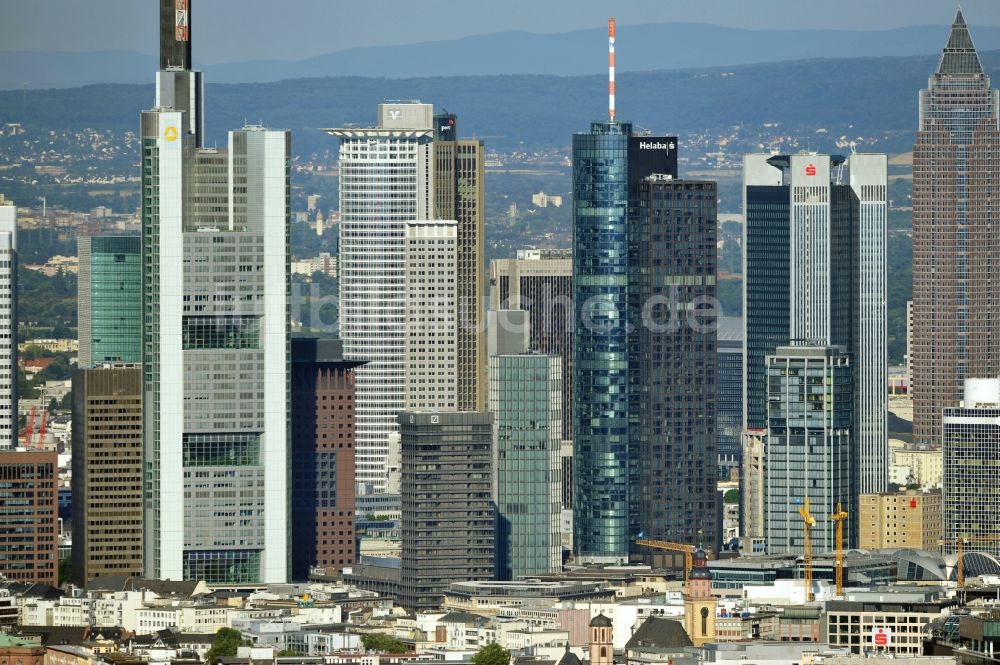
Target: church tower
x=602 y=640
x=699 y=604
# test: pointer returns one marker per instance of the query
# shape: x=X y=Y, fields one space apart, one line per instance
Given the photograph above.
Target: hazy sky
x=231 y=30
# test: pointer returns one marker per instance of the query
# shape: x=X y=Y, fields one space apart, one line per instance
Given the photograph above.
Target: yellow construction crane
x=688 y=551
x=808 y=521
x=839 y=518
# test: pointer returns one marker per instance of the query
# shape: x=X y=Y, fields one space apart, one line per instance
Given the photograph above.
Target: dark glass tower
x=672 y=266
x=956 y=320
x=765 y=282
x=600 y=346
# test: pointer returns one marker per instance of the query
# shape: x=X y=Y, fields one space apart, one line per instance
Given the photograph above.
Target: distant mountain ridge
x=648 y=47
x=866 y=97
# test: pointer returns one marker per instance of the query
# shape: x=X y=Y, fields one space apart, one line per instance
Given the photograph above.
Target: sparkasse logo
x=811 y=169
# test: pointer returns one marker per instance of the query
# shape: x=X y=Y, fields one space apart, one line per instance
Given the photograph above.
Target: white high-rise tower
x=8 y=324
x=385 y=182
x=215 y=227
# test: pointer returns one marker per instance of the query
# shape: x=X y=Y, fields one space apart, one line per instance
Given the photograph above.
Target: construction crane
x=808 y=521
x=839 y=518
x=31 y=426
x=41 y=430
x=688 y=551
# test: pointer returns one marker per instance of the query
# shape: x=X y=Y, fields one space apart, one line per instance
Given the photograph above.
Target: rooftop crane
x=839 y=518
x=688 y=551
x=808 y=521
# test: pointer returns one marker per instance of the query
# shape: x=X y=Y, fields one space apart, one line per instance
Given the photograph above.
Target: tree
x=731 y=496
x=287 y=653
x=382 y=643
x=491 y=654
x=65 y=570
x=227 y=641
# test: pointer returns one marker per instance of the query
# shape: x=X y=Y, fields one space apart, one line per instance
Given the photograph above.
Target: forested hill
x=874 y=98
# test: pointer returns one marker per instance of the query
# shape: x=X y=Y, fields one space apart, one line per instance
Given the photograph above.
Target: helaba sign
x=656 y=145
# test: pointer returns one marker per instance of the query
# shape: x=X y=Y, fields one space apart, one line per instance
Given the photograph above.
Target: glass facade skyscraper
x=526 y=401
x=815 y=273
x=971 y=466
x=672 y=361
x=110 y=299
x=955 y=254
x=808 y=451
x=729 y=394
x=600 y=345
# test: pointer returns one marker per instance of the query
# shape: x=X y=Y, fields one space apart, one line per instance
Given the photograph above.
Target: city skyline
x=610 y=466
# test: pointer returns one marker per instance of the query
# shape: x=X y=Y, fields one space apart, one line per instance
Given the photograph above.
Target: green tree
x=382 y=643
x=227 y=641
x=65 y=570
x=731 y=496
x=491 y=654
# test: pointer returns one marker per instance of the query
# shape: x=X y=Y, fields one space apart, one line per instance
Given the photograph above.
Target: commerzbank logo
x=170 y=133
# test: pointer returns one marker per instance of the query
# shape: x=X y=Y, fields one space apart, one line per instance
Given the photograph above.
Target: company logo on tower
x=811 y=170
x=394 y=114
x=655 y=145
x=170 y=133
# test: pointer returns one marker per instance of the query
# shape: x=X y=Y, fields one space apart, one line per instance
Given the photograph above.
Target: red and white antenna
x=611 y=69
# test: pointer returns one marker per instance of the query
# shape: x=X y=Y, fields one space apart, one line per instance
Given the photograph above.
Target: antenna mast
x=611 y=69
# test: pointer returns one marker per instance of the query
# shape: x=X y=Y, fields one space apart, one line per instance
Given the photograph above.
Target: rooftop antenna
x=611 y=69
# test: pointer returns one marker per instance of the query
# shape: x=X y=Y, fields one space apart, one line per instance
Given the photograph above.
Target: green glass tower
x=526 y=401
x=110 y=299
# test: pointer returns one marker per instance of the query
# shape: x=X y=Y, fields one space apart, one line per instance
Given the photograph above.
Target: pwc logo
x=811 y=170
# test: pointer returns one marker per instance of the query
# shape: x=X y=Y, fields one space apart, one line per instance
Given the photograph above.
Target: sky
x=294 y=29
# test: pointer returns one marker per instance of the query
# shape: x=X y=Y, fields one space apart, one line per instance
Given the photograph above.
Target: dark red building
x=29 y=517
x=323 y=396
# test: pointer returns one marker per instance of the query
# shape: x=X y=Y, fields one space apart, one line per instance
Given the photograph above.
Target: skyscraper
x=610 y=163
x=109 y=299
x=971 y=445
x=407 y=168
x=215 y=228
x=672 y=361
x=808 y=451
x=323 y=408
x=600 y=345
x=107 y=472
x=448 y=518
x=29 y=517
x=526 y=401
x=432 y=340
x=955 y=318
x=729 y=395
x=8 y=324
x=460 y=194
x=814 y=272
x=541 y=283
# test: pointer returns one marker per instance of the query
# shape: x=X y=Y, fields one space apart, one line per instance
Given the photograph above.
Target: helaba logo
x=811 y=169
x=648 y=145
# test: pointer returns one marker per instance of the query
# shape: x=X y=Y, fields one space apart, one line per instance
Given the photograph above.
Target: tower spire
x=175 y=34
x=959 y=56
x=611 y=69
